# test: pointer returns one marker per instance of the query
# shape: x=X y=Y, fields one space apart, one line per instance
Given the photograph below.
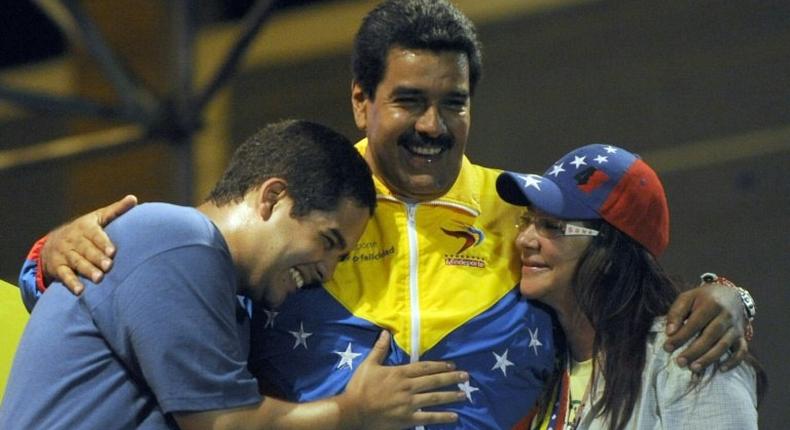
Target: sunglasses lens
x=551 y=228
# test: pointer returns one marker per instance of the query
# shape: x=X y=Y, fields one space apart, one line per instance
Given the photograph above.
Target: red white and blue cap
x=597 y=182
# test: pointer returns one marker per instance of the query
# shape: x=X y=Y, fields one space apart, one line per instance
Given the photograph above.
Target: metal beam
x=250 y=26
x=72 y=146
x=41 y=101
x=134 y=97
x=176 y=117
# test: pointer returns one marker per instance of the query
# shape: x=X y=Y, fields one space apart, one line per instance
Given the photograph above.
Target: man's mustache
x=444 y=141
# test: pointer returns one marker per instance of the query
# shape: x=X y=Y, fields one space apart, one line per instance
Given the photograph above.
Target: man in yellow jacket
x=436 y=265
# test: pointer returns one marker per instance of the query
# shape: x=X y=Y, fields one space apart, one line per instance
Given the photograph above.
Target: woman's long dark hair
x=621 y=289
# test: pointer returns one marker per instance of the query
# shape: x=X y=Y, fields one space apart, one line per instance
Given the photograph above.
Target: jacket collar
x=465 y=191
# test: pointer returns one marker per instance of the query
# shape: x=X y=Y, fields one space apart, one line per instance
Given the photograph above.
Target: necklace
x=579 y=414
x=559 y=414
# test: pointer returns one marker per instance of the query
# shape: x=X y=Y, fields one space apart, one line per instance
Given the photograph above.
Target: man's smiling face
x=305 y=250
x=417 y=124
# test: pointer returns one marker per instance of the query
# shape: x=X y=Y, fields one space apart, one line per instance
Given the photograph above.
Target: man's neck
x=227 y=219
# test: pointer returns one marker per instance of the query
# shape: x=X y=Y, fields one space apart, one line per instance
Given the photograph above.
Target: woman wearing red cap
x=594 y=225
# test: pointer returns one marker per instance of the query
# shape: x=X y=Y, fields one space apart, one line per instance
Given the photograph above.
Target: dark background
x=701 y=89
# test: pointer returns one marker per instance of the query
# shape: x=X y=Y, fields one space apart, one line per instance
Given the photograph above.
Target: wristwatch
x=749 y=307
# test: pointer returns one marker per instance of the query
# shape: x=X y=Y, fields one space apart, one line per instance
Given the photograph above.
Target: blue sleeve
x=176 y=321
x=27 y=283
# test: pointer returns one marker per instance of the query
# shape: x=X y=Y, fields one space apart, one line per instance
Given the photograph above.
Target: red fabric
x=526 y=422
x=595 y=180
x=565 y=400
x=35 y=255
x=559 y=408
x=632 y=198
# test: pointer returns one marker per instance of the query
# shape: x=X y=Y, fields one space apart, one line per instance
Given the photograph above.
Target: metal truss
x=175 y=117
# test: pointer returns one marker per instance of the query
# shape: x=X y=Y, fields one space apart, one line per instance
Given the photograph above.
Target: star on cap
x=600 y=159
x=534 y=343
x=301 y=336
x=610 y=149
x=502 y=362
x=347 y=357
x=468 y=389
x=556 y=169
x=532 y=181
x=270 y=316
x=579 y=161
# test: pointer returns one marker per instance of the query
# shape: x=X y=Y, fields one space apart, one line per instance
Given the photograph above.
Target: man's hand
x=384 y=397
x=377 y=397
x=82 y=246
x=716 y=313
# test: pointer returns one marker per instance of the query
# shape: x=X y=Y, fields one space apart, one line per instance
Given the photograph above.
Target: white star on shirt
x=556 y=169
x=270 y=316
x=579 y=161
x=502 y=362
x=534 y=343
x=610 y=149
x=347 y=357
x=301 y=336
x=532 y=181
x=468 y=389
x=600 y=159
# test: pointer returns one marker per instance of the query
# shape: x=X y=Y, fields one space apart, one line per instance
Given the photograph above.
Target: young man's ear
x=359 y=103
x=270 y=193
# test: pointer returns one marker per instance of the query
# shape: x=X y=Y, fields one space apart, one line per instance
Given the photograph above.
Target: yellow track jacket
x=438 y=275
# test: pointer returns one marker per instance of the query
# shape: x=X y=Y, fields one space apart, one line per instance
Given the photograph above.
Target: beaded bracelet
x=749 y=306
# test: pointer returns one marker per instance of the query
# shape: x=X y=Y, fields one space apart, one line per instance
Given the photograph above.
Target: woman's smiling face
x=548 y=259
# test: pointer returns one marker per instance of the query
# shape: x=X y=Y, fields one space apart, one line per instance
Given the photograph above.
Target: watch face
x=748 y=302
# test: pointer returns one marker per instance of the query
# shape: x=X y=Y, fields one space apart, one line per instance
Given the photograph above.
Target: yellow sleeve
x=14 y=317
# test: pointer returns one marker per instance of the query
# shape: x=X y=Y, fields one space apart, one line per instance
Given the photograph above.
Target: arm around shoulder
x=79 y=247
x=715 y=312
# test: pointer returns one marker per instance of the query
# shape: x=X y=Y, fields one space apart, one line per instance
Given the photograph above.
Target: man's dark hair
x=436 y=25
x=321 y=167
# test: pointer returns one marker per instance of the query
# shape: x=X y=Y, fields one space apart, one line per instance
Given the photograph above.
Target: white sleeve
x=719 y=400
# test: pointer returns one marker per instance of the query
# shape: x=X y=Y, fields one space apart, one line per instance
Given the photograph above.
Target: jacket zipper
x=414 y=285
